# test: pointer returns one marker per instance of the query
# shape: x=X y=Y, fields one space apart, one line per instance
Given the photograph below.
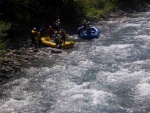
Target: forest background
x=18 y=17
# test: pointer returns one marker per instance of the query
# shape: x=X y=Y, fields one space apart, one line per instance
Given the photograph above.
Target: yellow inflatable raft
x=50 y=42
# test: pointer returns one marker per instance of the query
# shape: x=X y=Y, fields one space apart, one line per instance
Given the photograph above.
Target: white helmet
x=34 y=28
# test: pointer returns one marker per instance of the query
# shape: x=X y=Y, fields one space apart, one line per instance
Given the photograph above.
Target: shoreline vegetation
x=21 y=17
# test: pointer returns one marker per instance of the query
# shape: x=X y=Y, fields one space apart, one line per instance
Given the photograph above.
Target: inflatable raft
x=50 y=42
x=94 y=33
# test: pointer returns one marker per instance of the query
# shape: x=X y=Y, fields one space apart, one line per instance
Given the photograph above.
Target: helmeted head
x=40 y=29
x=58 y=20
x=34 y=28
x=56 y=32
x=50 y=27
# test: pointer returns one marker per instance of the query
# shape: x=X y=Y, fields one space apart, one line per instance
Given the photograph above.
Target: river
x=110 y=74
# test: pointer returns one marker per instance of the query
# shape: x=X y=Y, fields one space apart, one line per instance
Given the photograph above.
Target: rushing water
x=110 y=74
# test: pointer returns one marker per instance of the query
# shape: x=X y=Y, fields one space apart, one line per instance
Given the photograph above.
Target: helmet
x=34 y=28
x=50 y=27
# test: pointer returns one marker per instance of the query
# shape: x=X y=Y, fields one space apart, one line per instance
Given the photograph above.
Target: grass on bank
x=96 y=8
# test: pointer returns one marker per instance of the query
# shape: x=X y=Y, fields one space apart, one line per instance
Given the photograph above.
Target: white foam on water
x=76 y=97
x=86 y=64
x=31 y=70
x=111 y=48
x=143 y=37
x=120 y=46
x=143 y=90
x=12 y=105
x=142 y=94
x=101 y=97
x=18 y=97
x=112 y=52
x=77 y=56
x=131 y=25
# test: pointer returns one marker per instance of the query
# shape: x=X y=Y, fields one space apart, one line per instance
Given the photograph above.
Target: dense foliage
x=4 y=27
x=24 y=14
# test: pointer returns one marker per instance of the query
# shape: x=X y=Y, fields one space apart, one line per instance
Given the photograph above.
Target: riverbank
x=119 y=13
x=16 y=57
x=12 y=61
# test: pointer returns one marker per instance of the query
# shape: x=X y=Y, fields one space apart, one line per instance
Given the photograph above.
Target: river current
x=110 y=74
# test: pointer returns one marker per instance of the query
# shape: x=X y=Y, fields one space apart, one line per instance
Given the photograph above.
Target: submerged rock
x=56 y=51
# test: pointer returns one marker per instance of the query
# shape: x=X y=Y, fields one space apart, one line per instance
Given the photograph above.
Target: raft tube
x=50 y=42
x=94 y=33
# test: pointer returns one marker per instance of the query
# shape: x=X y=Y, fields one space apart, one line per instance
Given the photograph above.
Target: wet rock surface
x=14 y=59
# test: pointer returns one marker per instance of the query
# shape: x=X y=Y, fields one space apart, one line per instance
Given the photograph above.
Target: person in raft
x=63 y=35
x=57 y=25
x=80 y=30
x=33 y=37
x=39 y=35
x=88 y=30
x=84 y=24
x=50 y=32
x=58 y=41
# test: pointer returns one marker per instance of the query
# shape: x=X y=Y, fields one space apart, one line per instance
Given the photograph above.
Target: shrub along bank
x=4 y=27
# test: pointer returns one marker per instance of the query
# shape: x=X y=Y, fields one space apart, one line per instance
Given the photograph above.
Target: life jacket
x=88 y=30
x=51 y=32
x=84 y=25
x=58 y=40
x=33 y=34
x=63 y=34
x=39 y=35
x=32 y=31
x=56 y=25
